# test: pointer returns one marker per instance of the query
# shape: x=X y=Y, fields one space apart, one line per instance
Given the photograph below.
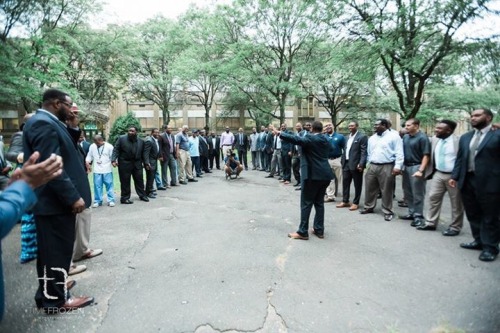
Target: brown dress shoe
x=343 y=205
x=70 y=284
x=295 y=235
x=353 y=207
x=78 y=302
x=329 y=200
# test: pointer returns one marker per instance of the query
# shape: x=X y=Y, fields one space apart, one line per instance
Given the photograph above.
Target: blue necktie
x=441 y=165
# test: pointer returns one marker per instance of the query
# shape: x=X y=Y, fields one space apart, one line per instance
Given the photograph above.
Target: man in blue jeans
x=100 y=153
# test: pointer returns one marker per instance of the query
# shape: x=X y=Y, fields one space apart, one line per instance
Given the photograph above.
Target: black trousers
x=483 y=212
x=125 y=172
x=55 y=236
x=287 y=165
x=214 y=155
x=150 y=179
x=204 y=163
x=312 y=194
x=296 y=168
x=348 y=177
x=263 y=160
x=242 y=156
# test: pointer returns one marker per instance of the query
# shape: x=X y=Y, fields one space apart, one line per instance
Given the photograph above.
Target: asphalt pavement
x=214 y=256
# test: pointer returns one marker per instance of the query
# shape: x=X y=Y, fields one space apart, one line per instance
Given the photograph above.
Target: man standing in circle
x=100 y=153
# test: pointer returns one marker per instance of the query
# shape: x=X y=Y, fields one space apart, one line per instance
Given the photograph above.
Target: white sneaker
x=111 y=204
x=95 y=205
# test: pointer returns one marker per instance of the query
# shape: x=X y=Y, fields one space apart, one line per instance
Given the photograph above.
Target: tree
x=270 y=40
x=412 y=39
x=157 y=46
x=121 y=126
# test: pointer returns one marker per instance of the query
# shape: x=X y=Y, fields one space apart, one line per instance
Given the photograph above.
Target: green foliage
x=121 y=126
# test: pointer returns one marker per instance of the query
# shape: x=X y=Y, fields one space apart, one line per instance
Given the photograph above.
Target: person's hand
x=147 y=167
x=6 y=170
x=78 y=206
x=289 y=153
x=115 y=164
x=360 y=168
x=396 y=171
x=37 y=174
x=452 y=183
x=20 y=158
x=418 y=174
x=160 y=159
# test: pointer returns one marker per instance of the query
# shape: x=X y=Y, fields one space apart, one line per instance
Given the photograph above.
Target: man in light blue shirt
x=385 y=158
x=194 y=151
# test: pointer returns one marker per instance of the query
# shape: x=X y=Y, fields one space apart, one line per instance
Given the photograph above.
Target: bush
x=121 y=126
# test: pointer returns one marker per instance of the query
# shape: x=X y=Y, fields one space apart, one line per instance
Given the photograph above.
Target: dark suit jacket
x=210 y=144
x=203 y=146
x=357 y=153
x=165 y=145
x=245 y=145
x=86 y=146
x=269 y=143
x=47 y=135
x=285 y=145
x=314 y=160
x=125 y=155
x=15 y=148
x=487 y=162
x=151 y=152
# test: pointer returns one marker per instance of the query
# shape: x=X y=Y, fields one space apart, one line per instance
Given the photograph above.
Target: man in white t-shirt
x=100 y=153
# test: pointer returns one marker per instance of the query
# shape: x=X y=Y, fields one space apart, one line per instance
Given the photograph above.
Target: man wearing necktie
x=442 y=159
x=477 y=174
x=242 y=147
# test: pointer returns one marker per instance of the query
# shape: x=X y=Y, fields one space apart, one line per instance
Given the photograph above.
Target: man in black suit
x=83 y=143
x=353 y=163
x=152 y=153
x=316 y=176
x=129 y=156
x=477 y=175
x=241 y=144
x=214 y=150
x=286 y=157
x=58 y=202
x=167 y=157
x=204 y=152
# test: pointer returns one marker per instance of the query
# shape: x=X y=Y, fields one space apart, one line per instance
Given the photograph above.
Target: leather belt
x=446 y=173
x=412 y=164
x=381 y=163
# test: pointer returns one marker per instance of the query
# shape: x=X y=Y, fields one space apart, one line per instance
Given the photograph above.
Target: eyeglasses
x=69 y=105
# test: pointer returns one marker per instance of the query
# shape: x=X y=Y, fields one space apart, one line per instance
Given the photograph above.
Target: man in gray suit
x=442 y=159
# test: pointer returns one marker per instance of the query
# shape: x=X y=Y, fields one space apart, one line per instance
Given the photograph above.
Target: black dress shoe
x=408 y=217
x=183 y=183
x=487 y=256
x=173 y=184
x=269 y=176
x=404 y=204
x=296 y=184
x=472 y=246
x=298 y=188
x=152 y=196
x=127 y=202
x=388 y=217
x=426 y=226
x=144 y=199
x=450 y=232
x=192 y=180
x=161 y=188
x=366 y=211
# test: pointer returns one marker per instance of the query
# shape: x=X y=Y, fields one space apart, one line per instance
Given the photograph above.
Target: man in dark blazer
x=58 y=202
x=241 y=144
x=477 y=175
x=353 y=163
x=204 y=149
x=168 y=157
x=214 y=150
x=152 y=153
x=129 y=156
x=316 y=175
x=268 y=149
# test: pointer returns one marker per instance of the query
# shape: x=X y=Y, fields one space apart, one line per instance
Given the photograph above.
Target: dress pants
x=350 y=176
x=82 y=233
x=379 y=178
x=255 y=159
x=214 y=155
x=336 y=184
x=286 y=161
x=242 y=156
x=414 y=190
x=263 y=160
x=312 y=193
x=55 y=237
x=185 y=167
x=195 y=161
x=204 y=163
x=439 y=186
x=483 y=212
x=296 y=167
x=137 y=175
x=150 y=179
x=170 y=164
x=276 y=161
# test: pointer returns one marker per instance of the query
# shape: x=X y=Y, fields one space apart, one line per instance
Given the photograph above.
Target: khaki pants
x=379 y=178
x=336 y=184
x=439 y=186
x=185 y=166
x=82 y=233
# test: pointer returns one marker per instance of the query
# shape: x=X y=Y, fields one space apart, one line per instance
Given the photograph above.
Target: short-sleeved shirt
x=182 y=140
x=232 y=165
x=415 y=148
